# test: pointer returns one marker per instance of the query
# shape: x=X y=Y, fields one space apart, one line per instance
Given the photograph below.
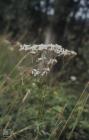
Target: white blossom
x=35 y=72
x=46 y=56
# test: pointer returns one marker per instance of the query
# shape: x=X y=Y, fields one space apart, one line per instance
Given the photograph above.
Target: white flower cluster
x=55 y=48
x=47 y=54
x=42 y=72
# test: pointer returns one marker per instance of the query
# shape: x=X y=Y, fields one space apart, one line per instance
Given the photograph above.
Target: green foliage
x=35 y=110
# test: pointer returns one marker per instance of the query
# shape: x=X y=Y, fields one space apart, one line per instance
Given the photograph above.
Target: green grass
x=34 y=109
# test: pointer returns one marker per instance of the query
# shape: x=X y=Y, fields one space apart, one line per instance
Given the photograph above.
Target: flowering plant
x=46 y=56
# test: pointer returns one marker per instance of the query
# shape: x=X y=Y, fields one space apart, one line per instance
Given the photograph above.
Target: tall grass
x=34 y=109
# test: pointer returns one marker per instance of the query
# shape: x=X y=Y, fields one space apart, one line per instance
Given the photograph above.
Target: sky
x=82 y=13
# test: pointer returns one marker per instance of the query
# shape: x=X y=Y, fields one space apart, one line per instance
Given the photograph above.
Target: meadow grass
x=33 y=108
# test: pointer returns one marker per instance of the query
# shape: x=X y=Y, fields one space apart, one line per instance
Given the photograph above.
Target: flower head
x=47 y=54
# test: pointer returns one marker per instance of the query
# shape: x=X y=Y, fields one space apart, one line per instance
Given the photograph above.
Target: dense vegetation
x=33 y=108
x=48 y=108
x=50 y=21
